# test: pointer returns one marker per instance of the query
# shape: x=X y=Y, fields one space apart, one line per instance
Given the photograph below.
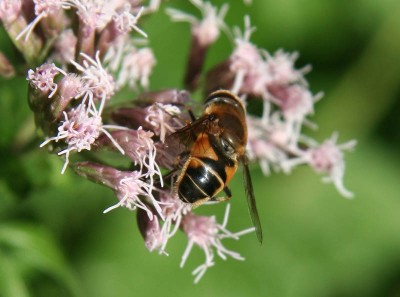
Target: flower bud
x=150 y=230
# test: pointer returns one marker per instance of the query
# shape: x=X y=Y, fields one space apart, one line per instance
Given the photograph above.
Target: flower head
x=206 y=233
x=100 y=85
x=328 y=159
x=78 y=130
x=163 y=117
x=43 y=78
x=125 y=21
x=136 y=66
x=134 y=192
x=206 y=30
x=64 y=47
x=10 y=10
x=43 y=9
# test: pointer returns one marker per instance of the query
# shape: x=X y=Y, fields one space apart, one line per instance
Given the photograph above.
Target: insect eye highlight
x=227 y=147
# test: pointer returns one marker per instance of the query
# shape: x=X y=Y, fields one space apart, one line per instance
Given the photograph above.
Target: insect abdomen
x=203 y=179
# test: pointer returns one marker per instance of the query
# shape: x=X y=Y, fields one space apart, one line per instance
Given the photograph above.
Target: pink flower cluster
x=97 y=56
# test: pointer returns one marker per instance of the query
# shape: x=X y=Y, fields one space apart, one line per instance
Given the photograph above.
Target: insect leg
x=227 y=192
x=191 y=114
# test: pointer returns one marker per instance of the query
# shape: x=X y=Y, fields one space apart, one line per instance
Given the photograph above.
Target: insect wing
x=187 y=135
x=251 y=201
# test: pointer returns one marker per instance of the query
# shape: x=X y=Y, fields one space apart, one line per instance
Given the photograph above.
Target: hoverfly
x=218 y=144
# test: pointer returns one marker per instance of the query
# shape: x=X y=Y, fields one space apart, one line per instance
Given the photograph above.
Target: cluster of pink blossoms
x=78 y=68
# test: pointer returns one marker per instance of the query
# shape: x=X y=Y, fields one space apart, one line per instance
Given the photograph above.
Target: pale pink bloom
x=64 y=47
x=206 y=30
x=132 y=190
x=246 y=56
x=268 y=144
x=116 y=51
x=252 y=82
x=282 y=70
x=207 y=234
x=9 y=10
x=136 y=66
x=43 y=78
x=247 y=63
x=294 y=101
x=44 y=8
x=327 y=159
x=139 y=146
x=100 y=85
x=173 y=210
x=95 y=14
x=164 y=118
x=125 y=21
x=70 y=86
x=267 y=154
x=78 y=130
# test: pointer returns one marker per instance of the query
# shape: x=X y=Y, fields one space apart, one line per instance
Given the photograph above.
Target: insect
x=218 y=145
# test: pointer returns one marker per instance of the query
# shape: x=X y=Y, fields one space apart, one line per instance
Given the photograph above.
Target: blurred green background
x=55 y=241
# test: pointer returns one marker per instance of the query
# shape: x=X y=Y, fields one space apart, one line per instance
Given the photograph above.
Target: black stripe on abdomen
x=202 y=179
x=188 y=191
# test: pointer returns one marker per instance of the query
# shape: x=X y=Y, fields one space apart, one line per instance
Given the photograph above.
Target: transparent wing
x=187 y=135
x=251 y=201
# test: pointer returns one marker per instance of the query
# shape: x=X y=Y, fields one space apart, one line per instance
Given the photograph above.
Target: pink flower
x=136 y=66
x=130 y=189
x=64 y=47
x=79 y=130
x=164 y=118
x=100 y=85
x=294 y=101
x=282 y=70
x=206 y=233
x=125 y=21
x=173 y=210
x=68 y=88
x=94 y=14
x=139 y=146
x=326 y=158
x=43 y=78
x=207 y=30
x=44 y=8
x=9 y=10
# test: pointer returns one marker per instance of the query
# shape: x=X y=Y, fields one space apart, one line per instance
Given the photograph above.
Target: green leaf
x=32 y=249
x=11 y=280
